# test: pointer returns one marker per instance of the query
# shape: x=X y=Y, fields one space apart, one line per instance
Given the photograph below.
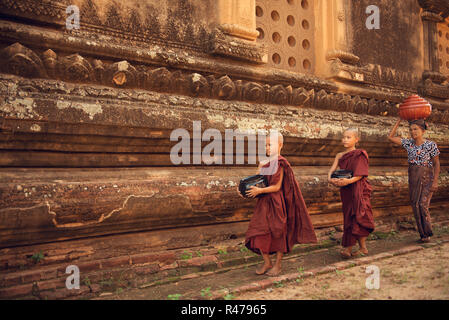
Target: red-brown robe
x=355 y=197
x=280 y=218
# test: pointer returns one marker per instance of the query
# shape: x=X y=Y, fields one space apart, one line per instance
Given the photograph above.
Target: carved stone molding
x=439 y=7
x=49 y=11
x=242 y=32
x=226 y=45
x=123 y=74
x=376 y=75
x=436 y=77
x=430 y=16
x=428 y=88
x=344 y=56
x=21 y=61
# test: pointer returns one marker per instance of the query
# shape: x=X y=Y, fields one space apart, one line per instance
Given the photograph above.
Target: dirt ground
x=421 y=275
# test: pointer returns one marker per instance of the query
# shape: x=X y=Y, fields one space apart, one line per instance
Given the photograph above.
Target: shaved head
x=279 y=136
x=354 y=131
x=274 y=142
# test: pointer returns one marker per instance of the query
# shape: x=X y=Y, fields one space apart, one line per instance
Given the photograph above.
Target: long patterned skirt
x=420 y=181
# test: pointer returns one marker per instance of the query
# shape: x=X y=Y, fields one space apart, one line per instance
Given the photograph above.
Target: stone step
x=146 y=269
x=143 y=269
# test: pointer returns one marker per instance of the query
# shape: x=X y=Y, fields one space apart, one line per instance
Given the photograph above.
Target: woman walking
x=423 y=172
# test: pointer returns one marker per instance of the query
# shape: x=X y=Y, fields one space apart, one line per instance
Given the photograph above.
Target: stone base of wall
x=39 y=271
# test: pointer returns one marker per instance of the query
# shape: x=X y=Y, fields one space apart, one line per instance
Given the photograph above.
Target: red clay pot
x=415 y=107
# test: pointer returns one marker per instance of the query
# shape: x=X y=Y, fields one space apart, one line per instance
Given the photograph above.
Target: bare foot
x=361 y=251
x=345 y=253
x=275 y=271
x=264 y=268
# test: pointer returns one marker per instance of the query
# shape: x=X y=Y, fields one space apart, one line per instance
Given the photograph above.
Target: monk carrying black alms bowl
x=280 y=218
x=355 y=192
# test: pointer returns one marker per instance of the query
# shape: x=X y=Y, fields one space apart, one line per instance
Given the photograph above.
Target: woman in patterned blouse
x=423 y=172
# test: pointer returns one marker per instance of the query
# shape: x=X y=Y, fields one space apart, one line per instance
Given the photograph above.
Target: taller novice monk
x=355 y=194
x=280 y=218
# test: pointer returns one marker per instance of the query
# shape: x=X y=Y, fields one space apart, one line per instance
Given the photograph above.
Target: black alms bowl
x=257 y=180
x=342 y=174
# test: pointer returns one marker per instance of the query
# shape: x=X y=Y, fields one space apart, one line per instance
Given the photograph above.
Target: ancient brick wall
x=86 y=114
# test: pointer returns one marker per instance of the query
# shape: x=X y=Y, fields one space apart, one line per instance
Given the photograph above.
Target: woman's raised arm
x=392 y=137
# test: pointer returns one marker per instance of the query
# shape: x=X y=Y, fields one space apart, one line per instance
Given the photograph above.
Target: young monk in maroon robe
x=355 y=195
x=280 y=218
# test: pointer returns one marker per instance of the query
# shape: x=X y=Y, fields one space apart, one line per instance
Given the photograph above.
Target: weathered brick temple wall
x=86 y=114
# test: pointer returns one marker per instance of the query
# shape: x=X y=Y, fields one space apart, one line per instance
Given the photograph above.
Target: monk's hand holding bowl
x=253 y=192
x=238 y=191
x=333 y=181
x=342 y=182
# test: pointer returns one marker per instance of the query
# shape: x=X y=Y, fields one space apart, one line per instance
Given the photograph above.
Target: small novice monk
x=280 y=218
x=355 y=194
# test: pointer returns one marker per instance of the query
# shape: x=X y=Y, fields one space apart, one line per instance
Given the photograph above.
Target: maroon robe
x=280 y=219
x=355 y=197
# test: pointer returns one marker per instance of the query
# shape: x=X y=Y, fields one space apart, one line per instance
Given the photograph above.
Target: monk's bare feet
x=263 y=269
x=361 y=251
x=345 y=253
x=274 y=272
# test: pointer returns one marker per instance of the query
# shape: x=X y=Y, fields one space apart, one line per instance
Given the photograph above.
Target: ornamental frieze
x=22 y=61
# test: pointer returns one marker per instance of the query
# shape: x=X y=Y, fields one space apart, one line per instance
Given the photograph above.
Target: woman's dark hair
x=420 y=122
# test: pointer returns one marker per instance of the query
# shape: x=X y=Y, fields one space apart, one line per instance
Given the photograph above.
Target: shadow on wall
x=174 y=20
x=397 y=43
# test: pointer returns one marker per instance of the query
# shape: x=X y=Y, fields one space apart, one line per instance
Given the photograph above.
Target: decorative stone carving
x=301 y=96
x=435 y=77
x=99 y=70
x=431 y=16
x=198 y=85
x=372 y=74
x=49 y=11
x=122 y=74
x=224 y=88
x=278 y=94
x=50 y=59
x=223 y=44
x=19 y=60
x=440 y=7
x=159 y=79
x=253 y=91
x=432 y=89
x=343 y=56
x=75 y=68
